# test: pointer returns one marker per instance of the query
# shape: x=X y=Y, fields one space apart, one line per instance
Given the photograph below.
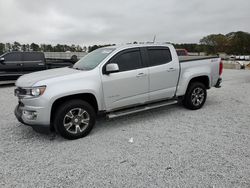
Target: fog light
x=29 y=115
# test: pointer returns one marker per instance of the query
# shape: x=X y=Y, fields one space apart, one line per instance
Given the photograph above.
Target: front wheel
x=195 y=96
x=74 y=119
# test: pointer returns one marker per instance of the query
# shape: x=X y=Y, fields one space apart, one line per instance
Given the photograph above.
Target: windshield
x=91 y=60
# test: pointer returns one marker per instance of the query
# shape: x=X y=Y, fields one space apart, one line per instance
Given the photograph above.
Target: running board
x=140 y=109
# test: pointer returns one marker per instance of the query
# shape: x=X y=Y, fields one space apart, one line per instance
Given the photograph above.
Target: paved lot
x=172 y=146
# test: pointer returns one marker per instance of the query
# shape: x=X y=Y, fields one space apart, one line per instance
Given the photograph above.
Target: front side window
x=159 y=56
x=13 y=56
x=129 y=60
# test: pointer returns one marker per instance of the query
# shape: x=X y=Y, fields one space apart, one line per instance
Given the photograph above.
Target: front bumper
x=36 y=123
x=18 y=113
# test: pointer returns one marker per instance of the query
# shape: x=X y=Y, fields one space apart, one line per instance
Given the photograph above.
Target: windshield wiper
x=72 y=67
x=77 y=68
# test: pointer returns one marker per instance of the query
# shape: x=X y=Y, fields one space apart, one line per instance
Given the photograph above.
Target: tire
x=74 y=58
x=195 y=96
x=74 y=119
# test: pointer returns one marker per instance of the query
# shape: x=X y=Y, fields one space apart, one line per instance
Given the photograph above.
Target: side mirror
x=112 y=68
x=2 y=60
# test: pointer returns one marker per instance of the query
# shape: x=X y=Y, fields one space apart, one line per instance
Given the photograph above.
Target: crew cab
x=113 y=81
x=15 y=64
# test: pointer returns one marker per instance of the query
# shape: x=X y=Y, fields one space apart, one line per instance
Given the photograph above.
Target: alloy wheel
x=197 y=96
x=76 y=120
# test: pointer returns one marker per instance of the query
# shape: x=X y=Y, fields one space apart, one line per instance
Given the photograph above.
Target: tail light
x=221 y=68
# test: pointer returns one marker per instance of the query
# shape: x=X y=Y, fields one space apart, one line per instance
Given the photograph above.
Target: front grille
x=20 y=104
x=20 y=92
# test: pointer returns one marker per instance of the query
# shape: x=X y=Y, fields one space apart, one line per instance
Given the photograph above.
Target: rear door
x=11 y=68
x=33 y=61
x=163 y=73
x=129 y=86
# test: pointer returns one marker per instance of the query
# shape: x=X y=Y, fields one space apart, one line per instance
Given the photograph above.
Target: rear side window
x=129 y=60
x=159 y=56
x=32 y=56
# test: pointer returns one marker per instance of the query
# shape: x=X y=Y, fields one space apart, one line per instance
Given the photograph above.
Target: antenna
x=154 y=38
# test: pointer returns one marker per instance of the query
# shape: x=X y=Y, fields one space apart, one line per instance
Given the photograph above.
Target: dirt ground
x=166 y=147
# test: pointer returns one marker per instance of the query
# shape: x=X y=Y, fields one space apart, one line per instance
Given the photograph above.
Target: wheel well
x=90 y=98
x=74 y=58
x=201 y=79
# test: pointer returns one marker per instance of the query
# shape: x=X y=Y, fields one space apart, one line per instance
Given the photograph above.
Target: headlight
x=30 y=92
x=37 y=91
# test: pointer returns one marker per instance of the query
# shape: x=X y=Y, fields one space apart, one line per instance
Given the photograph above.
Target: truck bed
x=64 y=55
x=194 y=58
x=196 y=66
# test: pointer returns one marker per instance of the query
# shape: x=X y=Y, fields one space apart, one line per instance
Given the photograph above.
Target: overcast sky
x=88 y=22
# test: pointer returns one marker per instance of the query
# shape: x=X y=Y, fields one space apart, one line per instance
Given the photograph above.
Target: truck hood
x=28 y=80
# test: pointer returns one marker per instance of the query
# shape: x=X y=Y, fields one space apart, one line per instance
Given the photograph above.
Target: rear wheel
x=74 y=119
x=195 y=96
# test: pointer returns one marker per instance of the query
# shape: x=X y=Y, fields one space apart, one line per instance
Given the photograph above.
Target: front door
x=129 y=86
x=11 y=68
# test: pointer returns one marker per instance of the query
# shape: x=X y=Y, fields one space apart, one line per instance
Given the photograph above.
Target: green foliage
x=59 y=48
x=214 y=43
x=35 y=47
x=92 y=48
x=24 y=48
x=16 y=46
x=237 y=43
x=8 y=47
x=2 y=48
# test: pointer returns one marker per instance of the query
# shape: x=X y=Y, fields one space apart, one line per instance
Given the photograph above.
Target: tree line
x=236 y=43
x=16 y=46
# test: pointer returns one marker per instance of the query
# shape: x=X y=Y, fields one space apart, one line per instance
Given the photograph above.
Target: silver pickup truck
x=114 y=81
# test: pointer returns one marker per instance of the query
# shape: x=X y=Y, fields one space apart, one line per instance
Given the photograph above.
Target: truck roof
x=126 y=46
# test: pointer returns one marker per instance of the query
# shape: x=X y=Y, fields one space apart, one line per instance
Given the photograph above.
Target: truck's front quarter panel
x=90 y=85
x=57 y=88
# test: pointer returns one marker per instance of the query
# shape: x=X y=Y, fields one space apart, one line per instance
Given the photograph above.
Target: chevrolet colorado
x=114 y=81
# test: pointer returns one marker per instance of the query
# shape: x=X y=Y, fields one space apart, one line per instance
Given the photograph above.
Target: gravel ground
x=172 y=146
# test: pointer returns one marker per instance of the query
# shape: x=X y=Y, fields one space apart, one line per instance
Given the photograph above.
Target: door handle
x=140 y=75
x=20 y=64
x=171 y=69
